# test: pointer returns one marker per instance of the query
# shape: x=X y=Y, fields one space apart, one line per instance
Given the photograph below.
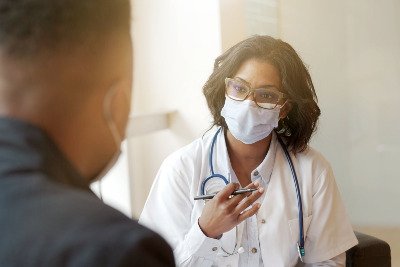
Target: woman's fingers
x=235 y=200
x=248 y=201
x=225 y=211
x=226 y=192
x=248 y=213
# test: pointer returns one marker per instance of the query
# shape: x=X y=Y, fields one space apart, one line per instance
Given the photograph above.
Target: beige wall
x=232 y=21
x=353 y=50
x=175 y=42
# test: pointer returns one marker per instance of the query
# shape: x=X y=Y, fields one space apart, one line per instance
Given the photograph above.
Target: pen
x=236 y=192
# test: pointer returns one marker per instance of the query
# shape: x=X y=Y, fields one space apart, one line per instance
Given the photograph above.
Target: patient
x=65 y=81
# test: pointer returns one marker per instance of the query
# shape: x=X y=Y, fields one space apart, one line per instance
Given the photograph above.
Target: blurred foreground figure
x=65 y=81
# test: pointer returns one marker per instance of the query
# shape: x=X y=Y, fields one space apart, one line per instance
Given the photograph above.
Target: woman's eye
x=266 y=96
x=239 y=89
x=269 y=96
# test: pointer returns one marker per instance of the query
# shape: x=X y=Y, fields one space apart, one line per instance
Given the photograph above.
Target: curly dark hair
x=28 y=27
x=301 y=122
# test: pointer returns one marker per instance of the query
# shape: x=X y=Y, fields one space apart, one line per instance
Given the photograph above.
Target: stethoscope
x=300 y=244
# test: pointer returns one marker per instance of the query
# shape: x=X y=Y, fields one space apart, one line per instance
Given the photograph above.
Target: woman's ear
x=285 y=109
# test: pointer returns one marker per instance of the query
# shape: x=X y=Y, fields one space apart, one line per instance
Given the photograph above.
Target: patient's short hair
x=28 y=27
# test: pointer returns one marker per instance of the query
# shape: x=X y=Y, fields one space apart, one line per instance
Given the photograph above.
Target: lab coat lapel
x=278 y=207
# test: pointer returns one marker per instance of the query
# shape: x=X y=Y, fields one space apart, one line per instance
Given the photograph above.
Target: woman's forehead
x=258 y=73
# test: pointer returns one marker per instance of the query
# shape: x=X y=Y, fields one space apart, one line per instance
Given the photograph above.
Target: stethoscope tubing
x=212 y=150
x=295 y=181
x=210 y=162
x=298 y=193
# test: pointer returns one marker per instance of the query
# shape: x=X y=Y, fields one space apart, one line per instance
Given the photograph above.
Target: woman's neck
x=245 y=158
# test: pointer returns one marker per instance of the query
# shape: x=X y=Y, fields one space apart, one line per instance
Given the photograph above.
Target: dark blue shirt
x=49 y=216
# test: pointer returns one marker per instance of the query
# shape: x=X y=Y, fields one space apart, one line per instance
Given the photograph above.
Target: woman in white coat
x=259 y=94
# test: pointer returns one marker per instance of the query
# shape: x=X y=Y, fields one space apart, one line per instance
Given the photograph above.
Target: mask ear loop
x=284 y=129
x=281 y=106
x=108 y=115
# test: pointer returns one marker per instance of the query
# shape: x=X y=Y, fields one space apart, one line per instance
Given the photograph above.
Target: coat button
x=255 y=173
x=214 y=249
x=254 y=250
x=263 y=221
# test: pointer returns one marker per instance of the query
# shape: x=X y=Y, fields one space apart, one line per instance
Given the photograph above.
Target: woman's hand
x=224 y=212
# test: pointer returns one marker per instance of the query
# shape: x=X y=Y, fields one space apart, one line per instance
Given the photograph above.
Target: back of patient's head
x=34 y=34
x=58 y=58
x=28 y=27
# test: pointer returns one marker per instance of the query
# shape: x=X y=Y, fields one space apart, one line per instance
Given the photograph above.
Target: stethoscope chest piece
x=213 y=183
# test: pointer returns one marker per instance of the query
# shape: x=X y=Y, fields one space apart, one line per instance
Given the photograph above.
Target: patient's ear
x=285 y=109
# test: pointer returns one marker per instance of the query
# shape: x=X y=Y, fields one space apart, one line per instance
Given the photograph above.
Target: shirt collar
x=223 y=164
x=265 y=168
x=26 y=148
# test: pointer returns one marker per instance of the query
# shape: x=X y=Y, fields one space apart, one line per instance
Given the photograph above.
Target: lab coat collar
x=223 y=166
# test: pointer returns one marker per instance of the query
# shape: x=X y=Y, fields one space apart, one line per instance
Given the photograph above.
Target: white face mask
x=247 y=122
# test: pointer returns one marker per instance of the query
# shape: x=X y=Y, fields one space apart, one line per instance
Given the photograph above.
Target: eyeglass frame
x=252 y=90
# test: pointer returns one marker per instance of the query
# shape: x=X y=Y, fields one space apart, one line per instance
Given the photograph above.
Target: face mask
x=247 y=122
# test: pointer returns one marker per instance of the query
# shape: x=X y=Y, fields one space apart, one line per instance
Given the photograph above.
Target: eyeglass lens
x=264 y=97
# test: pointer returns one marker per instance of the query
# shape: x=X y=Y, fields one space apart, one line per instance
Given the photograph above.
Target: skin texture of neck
x=245 y=158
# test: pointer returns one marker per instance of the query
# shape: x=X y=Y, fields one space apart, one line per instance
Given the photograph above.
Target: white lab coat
x=171 y=211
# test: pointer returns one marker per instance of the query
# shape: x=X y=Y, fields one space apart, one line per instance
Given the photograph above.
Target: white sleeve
x=168 y=211
x=330 y=233
x=338 y=261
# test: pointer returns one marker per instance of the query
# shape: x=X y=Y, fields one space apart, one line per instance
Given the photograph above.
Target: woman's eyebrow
x=243 y=80
x=258 y=87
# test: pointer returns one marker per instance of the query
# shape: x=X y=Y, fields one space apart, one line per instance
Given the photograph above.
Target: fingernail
x=261 y=189
x=256 y=183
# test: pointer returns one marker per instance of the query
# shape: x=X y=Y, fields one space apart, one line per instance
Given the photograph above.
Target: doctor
x=263 y=102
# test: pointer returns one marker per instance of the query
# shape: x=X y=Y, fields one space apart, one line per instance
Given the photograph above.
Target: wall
x=353 y=51
x=175 y=43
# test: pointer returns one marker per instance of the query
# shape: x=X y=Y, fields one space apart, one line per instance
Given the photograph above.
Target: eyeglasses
x=267 y=98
